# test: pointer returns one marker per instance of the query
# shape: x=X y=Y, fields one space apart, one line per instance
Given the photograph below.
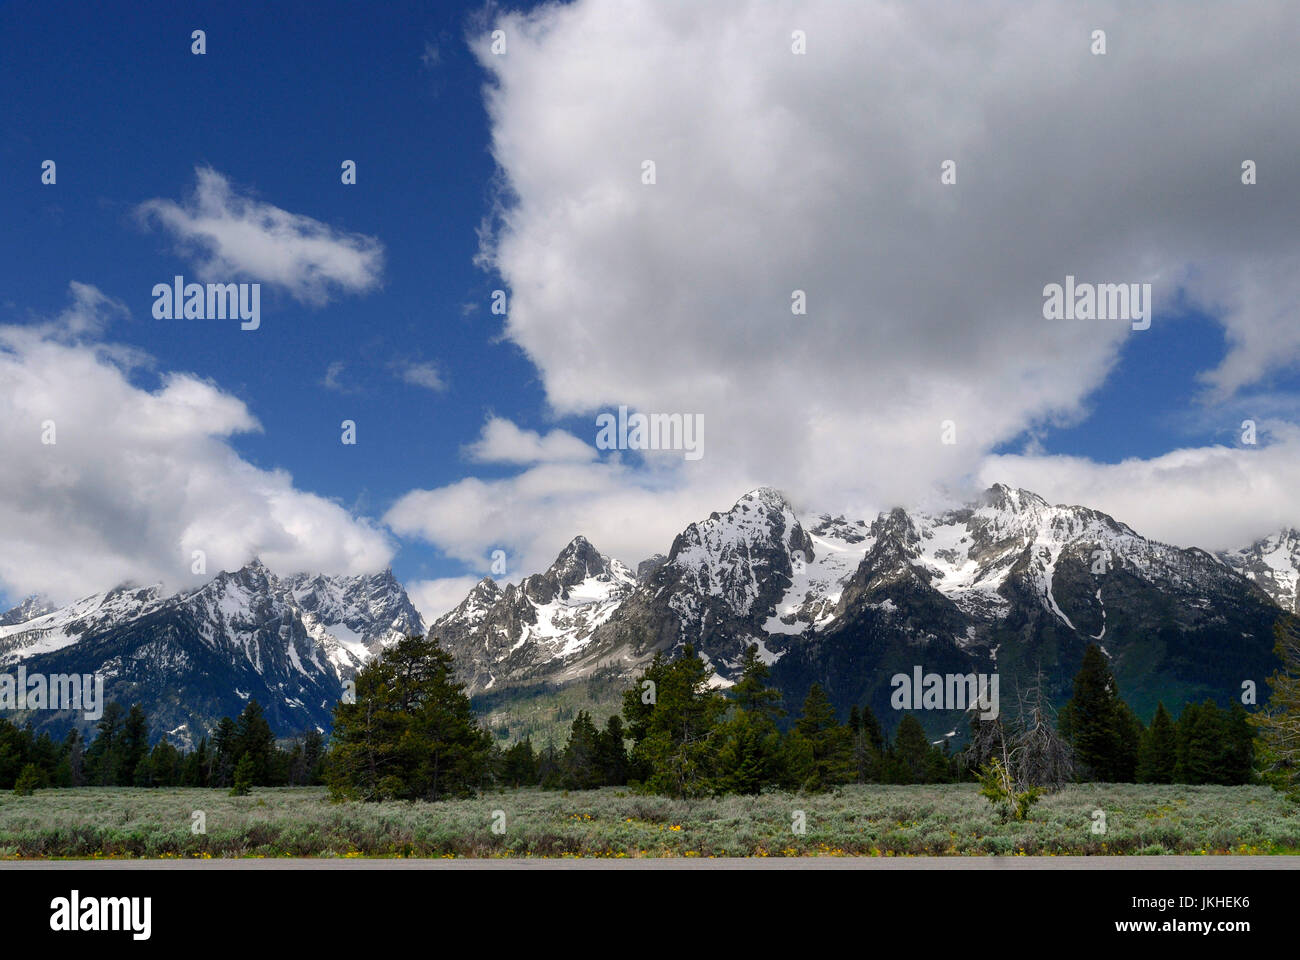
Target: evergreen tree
x=550 y=768
x=134 y=747
x=223 y=757
x=831 y=742
x=1236 y=762
x=243 y=777
x=1158 y=754
x=672 y=722
x=1200 y=731
x=30 y=779
x=1097 y=723
x=71 y=768
x=102 y=754
x=753 y=692
x=611 y=752
x=912 y=751
x=519 y=767
x=254 y=739
x=194 y=767
x=582 y=760
x=164 y=765
x=868 y=746
x=1130 y=740
x=411 y=733
x=1278 y=725
x=13 y=754
x=313 y=756
x=750 y=750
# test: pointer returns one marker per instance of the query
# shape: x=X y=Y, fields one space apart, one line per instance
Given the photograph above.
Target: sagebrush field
x=611 y=822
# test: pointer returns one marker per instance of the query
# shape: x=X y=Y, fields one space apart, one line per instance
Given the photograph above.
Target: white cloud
x=821 y=172
x=139 y=478
x=1215 y=498
x=626 y=513
x=502 y=441
x=433 y=598
x=229 y=236
x=424 y=375
x=333 y=378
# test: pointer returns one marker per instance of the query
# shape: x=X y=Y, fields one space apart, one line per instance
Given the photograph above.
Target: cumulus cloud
x=531 y=516
x=137 y=479
x=433 y=598
x=502 y=441
x=1216 y=498
x=778 y=172
x=424 y=375
x=232 y=236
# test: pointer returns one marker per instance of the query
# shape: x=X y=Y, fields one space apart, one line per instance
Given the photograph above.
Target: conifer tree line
x=410 y=733
x=119 y=755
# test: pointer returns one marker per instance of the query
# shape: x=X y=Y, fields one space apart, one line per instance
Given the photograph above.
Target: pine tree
x=102 y=754
x=70 y=770
x=550 y=768
x=672 y=723
x=134 y=747
x=243 y=780
x=164 y=765
x=1095 y=718
x=831 y=742
x=253 y=738
x=223 y=757
x=195 y=766
x=750 y=748
x=868 y=746
x=1236 y=763
x=411 y=734
x=1200 y=729
x=1278 y=725
x=30 y=779
x=519 y=768
x=582 y=767
x=313 y=756
x=1158 y=754
x=911 y=752
x=611 y=752
x=753 y=692
x=1130 y=741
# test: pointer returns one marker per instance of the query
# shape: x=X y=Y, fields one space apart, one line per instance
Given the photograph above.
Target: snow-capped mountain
x=201 y=654
x=547 y=618
x=1273 y=564
x=1007 y=583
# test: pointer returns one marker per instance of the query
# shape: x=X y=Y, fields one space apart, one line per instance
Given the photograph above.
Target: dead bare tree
x=1027 y=746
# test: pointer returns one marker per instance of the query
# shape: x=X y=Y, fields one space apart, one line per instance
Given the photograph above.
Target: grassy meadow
x=612 y=822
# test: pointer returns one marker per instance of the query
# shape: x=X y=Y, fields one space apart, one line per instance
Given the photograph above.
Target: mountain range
x=1008 y=584
x=196 y=656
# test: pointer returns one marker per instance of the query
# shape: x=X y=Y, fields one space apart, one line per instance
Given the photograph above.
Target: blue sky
x=280 y=99
x=666 y=299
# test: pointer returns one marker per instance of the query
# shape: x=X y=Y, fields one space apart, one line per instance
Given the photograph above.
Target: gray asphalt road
x=721 y=863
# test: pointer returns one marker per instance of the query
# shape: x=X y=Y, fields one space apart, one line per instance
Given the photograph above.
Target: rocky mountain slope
x=1009 y=583
x=196 y=656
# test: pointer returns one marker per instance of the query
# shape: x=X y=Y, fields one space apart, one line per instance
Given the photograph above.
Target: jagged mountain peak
x=201 y=653
x=578 y=561
x=1002 y=496
x=765 y=496
x=1273 y=564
